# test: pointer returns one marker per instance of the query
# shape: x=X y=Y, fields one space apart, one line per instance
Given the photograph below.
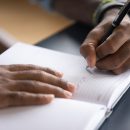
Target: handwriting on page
x=96 y=87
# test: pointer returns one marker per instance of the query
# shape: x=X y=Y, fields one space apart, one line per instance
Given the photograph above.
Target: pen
x=124 y=10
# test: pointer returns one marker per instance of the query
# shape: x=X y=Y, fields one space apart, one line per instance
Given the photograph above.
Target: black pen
x=122 y=13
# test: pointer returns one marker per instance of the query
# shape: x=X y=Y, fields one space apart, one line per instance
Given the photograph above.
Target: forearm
x=81 y=10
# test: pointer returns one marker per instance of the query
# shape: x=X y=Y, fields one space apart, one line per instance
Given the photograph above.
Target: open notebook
x=97 y=93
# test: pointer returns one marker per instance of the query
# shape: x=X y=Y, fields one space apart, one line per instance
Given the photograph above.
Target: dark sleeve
x=80 y=10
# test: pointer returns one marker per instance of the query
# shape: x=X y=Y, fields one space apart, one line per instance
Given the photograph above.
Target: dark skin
x=34 y=85
x=114 y=55
x=22 y=85
x=79 y=10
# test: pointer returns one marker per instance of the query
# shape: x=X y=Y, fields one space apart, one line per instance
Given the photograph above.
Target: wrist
x=106 y=6
x=112 y=13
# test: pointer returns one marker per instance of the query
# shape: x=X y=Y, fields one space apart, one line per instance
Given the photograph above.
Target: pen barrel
x=125 y=9
x=117 y=21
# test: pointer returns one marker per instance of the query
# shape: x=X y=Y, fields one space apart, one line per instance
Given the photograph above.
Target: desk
x=69 y=41
x=29 y=23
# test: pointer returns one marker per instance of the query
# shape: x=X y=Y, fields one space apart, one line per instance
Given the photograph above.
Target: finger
x=88 y=47
x=39 y=87
x=112 y=44
x=88 y=51
x=116 y=60
x=122 y=68
x=43 y=77
x=21 y=67
x=25 y=98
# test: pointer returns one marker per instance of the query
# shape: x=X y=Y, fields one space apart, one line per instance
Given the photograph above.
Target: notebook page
x=97 y=87
x=118 y=93
x=102 y=88
x=61 y=114
x=73 y=67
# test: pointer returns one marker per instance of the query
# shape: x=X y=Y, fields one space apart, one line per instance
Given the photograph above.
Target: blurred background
x=28 y=22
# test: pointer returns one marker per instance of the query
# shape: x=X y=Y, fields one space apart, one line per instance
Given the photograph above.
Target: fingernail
x=59 y=74
x=49 y=97
x=71 y=87
x=67 y=94
x=88 y=61
x=90 y=64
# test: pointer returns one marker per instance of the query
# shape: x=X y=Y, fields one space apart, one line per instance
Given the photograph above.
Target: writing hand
x=114 y=53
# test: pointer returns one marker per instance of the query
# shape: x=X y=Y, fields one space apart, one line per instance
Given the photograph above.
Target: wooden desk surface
x=29 y=23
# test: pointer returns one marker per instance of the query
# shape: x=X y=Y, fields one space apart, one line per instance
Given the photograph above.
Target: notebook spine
x=108 y=113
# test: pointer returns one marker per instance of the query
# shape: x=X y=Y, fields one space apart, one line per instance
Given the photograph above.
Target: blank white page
x=61 y=114
x=97 y=87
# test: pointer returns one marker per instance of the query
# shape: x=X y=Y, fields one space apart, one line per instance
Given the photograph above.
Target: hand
x=31 y=85
x=114 y=53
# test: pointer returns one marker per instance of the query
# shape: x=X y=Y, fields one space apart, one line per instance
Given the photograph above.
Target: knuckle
x=125 y=25
x=26 y=85
x=35 y=86
x=35 y=67
x=4 y=73
x=47 y=69
x=56 y=90
x=30 y=66
x=82 y=48
x=50 y=70
x=117 y=71
x=59 y=92
x=13 y=96
x=95 y=31
x=62 y=83
x=40 y=74
x=14 y=75
x=4 y=66
x=85 y=47
x=115 y=63
x=4 y=80
x=120 y=33
x=7 y=81
x=111 y=47
x=50 y=89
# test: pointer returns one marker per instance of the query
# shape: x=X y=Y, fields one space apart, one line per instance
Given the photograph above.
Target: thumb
x=89 y=53
x=88 y=48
